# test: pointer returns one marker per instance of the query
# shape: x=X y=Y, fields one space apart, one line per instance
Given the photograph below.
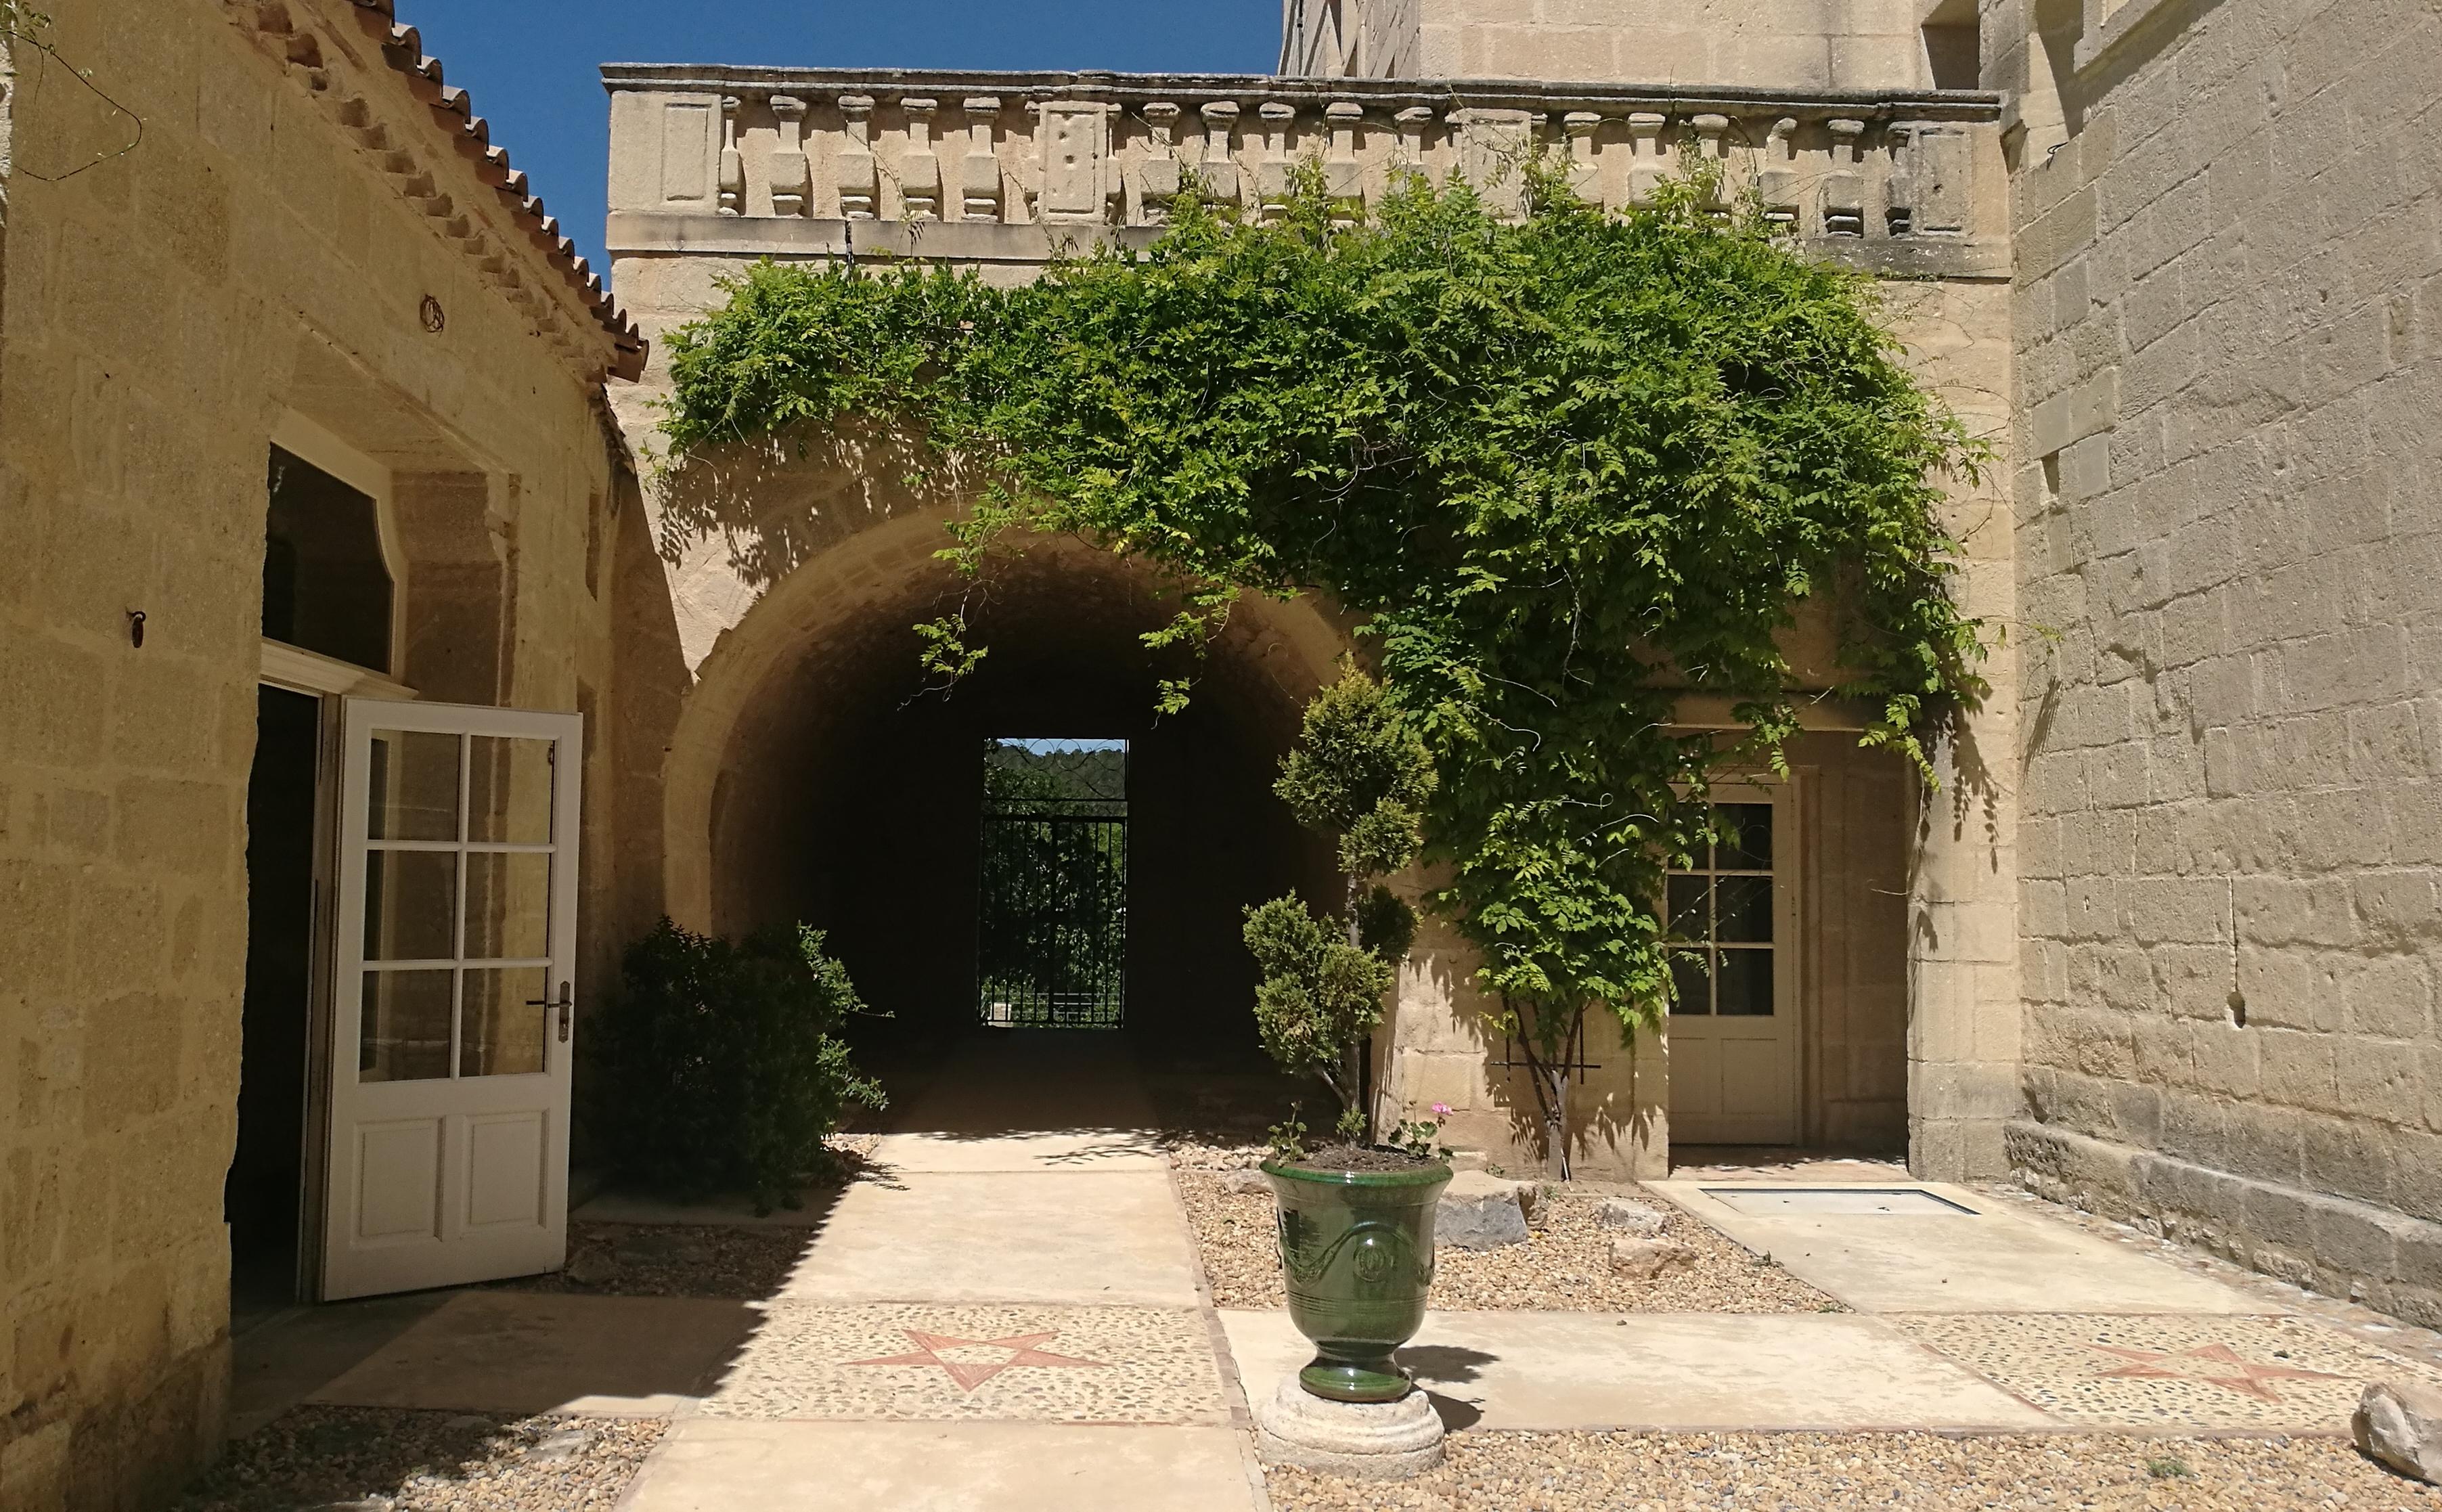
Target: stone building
x=2164 y=943
x=301 y=402
x=804 y=571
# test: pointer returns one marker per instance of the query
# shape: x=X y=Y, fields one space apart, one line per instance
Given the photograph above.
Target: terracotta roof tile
x=403 y=49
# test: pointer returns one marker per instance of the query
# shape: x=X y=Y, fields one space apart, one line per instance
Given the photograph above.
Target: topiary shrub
x=1358 y=772
x=721 y=1064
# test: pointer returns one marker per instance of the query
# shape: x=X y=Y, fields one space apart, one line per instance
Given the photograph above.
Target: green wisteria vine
x=1560 y=471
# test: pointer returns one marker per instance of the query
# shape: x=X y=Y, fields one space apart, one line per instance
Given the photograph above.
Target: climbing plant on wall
x=1559 y=471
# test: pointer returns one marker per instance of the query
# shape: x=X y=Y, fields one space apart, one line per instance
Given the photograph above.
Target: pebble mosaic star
x=969 y=1373
x=2252 y=1380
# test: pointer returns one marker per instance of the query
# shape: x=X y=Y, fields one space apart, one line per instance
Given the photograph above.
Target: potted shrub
x=1355 y=1215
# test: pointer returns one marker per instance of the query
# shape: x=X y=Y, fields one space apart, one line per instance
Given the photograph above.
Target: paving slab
x=552 y=1351
x=1972 y=1255
x=1061 y=1149
x=1097 y=1237
x=714 y=1465
x=1684 y=1372
x=2185 y=1372
x=276 y=1366
x=969 y=1361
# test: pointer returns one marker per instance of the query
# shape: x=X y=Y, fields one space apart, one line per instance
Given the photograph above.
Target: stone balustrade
x=1087 y=155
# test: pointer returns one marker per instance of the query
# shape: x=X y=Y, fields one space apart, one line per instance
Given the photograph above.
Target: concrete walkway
x=1008 y=1314
x=1007 y=1317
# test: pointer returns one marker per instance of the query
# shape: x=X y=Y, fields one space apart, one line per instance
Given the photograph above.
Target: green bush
x=723 y=1072
x=1358 y=771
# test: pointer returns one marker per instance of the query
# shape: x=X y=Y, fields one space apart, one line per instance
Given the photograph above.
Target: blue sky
x=531 y=64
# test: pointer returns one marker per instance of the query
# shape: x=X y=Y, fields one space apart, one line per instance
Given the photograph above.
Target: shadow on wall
x=778 y=503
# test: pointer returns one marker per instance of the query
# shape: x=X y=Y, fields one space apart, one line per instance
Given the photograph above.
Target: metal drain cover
x=1845 y=1201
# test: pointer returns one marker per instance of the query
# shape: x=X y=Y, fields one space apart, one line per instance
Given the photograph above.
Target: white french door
x=1733 y=918
x=452 y=1006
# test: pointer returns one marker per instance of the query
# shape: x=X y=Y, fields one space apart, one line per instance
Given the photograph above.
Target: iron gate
x=1052 y=922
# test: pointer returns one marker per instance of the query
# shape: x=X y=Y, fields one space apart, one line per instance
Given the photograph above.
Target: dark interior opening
x=1952 y=46
x=325 y=586
x=854 y=800
x=264 y=1200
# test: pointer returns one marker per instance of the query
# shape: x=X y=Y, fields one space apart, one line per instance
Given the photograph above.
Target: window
x=1721 y=919
x=326 y=587
x=1952 y=46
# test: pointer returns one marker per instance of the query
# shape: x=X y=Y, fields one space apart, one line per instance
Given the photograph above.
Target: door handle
x=566 y=1003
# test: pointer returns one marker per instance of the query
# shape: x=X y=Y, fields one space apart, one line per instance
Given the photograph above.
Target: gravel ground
x=1801 y=1472
x=1564 y=1267
x=367 y=1459
x=672 y=1260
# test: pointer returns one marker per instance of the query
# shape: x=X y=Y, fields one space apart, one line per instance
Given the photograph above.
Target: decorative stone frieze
x=733 y=163
x=860 y=184
x=1932 y=169
x=1584 y=173
x=1844 y=187
x=979 y=175
x=1646 y=168
x=1157 y=176
x=1893 y=171
x=1344 y=177
x=1272 y=169
x=1777 y=183
x=1079 y=178
x=920 y=171
x=792 y=177
x=1219 y=170
x=1409 y=154
x=1493 y=146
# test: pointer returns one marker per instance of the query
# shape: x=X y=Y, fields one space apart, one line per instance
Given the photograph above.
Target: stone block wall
x=1853 y=829
x=1792 y=45
x=163 y=307
x=2229 y=309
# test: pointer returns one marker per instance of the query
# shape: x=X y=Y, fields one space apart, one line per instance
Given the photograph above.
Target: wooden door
x=452 y=1006
x=1733 y=1033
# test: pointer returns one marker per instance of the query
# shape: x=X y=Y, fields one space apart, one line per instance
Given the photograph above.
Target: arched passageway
x=815 y=776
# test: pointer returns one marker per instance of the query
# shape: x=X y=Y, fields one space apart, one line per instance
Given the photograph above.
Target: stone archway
x=811 y=775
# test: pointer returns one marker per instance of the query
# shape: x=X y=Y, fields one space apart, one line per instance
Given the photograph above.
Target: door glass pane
x=411 y=790
x=506 y=1022
x=508 y=904
x=1692 y=981
x=1743 y=839
x=1746 y=983
x=405 y=1035
x=410 y=905
x=1687 y=920
x=1742 y=908
x=508 y=788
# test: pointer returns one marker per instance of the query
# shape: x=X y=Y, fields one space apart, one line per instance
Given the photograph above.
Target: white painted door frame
x=447 y=1153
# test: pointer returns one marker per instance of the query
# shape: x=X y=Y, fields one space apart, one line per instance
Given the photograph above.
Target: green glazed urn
x=1356 y=1256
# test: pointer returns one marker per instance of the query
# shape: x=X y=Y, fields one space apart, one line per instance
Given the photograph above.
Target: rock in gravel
x=1644 y=1259
x=2401 y=1424
x=1479 y=1212
x=591 y=1268
x=1642 y=1219
x=553 y=1447
x=1248 y=1179
x=1535 y=1202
